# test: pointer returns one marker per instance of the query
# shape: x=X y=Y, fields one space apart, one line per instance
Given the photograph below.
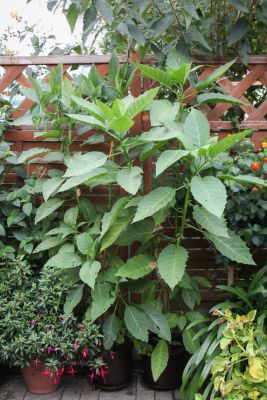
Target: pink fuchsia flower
x=75 y=346
x=99 y=343
x=33 y=323
x=49 y=349
x=91 y=376
x=46 y=372
x=71 y=371
x=85 y=352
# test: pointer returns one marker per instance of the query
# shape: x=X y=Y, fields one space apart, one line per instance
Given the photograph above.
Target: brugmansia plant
x=179 y=140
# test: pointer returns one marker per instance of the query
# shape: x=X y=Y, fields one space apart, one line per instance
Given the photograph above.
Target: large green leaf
x=137 y=323
x=253 y=180
x=158 y=319
x=212 y=98
x=197 y=128
x=210 y=193
x=73 y=299
x=232 y=247
x=210 y=222
x=72 y=16
x=27 y=155
x=81 y=164
x=153 y=202
x=159 y=359
x=92 y=108
x=89 y=271
x=64 y=260
x=102 y=299
x=141 y=103
x=167 y=158
x=70 y=216
x=110 y=330
x=48 y=244
x=155 y=74
x=171 y=264
x=121 y=124
x=82 y=179
x=47 y=208
x=162 y=110
x=190 y=345
x=136 y=267
x=130 y=179
x=140 y=231
x=226 y=143
x=114 y=232
x=136 y=34
x=238 y=30
x=51 y=185
x=110 y=217
x=214 y=76
x=160 y=134
x=88 y=120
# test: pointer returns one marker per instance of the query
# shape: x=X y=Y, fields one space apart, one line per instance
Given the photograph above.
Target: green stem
x=184 y=215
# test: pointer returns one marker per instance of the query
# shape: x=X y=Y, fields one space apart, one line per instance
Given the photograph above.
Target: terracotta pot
x=36 y=381
x=171 y=377
x=120 y=368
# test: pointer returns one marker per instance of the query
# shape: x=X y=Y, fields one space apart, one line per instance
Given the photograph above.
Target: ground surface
x=79 y=389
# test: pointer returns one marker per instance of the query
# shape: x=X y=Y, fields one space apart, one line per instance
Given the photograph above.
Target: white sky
x=35 y=12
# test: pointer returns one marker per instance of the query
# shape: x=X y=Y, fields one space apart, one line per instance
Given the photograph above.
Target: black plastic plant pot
x=171 y=378
x=120 y=368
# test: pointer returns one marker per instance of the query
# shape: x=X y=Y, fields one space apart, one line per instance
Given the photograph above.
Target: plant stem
x=184 y=215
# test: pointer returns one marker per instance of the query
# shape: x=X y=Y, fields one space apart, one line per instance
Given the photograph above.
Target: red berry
x=255 y=165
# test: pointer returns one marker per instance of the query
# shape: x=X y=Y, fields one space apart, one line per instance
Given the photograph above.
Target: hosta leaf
x=153 y=202
x=171 y=264
x=227 y=142
x=81 y=164
x=159 y=320
x=253 y=180
x=155 y=74
x=167 y=158
x=197 y=128
x=48 y=244
x=210 y=222
x=159 y=359
x=137 y=323
x=89 y=271
x=50 y=186
x=214 y=76
x=111 y=328
x=210 y=193
x=136 y=267
x=232 y=247
x=64 y=260
x=130 y=179
x=102 y=299
x=141 y=103
x=73 y=299
x=47 y=208
x=212 y=98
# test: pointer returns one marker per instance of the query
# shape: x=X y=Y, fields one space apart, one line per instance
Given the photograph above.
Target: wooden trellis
x=201 y=260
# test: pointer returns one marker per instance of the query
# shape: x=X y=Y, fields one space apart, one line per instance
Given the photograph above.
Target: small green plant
x=238 y=372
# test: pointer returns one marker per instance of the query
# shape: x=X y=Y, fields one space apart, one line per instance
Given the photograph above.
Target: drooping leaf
x=226 y=143
x=210 y=193
x=167 y=158
x=162 y=110
x=130 y=179
x=47 y=208
x=51 y=186
x=171 y=264
x=92 y=108
x=48 y=244
x=197 y=128
x=155 y=74
x=110 y=330
x=102 y=299
x=82 y=179
x=88 y=120
x=238 y=30
x=159 y=359
x=214 y=76
x=110 y=217
x=136 y=34
x=158 y=319
x=81 y=164
x=141 y=103
x=89 y=271
x=73 y=299
x=136 y=267
x=114 y=232
x=153 y=202
x=137 y=323
x=72 y=16
x=211 y=98
x=232 y=247
x=70 y=216
x=210 y=222
x=138 y=232
x=253 y=180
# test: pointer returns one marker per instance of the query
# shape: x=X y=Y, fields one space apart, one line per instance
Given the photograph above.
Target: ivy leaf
x=153 y=202
x=136 y=267
x=89 y=271
x=73 y=299
x=47 y=208
x=159 y=359
x=130 y=179
x=137 y=323
x=210 y=193
x=197 y=128
x=110 y=330
x=171 y=264
x=232 y=247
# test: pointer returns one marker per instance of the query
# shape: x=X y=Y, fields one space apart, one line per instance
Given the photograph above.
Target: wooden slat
x=11 y=74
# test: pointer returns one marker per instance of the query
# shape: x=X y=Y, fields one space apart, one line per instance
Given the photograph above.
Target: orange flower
x=264 y=145
x=255 y=188
x=265 y=160
x=229 y=134
x=255 y=165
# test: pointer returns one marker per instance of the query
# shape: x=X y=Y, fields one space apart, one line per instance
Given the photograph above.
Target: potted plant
x=34 y=334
